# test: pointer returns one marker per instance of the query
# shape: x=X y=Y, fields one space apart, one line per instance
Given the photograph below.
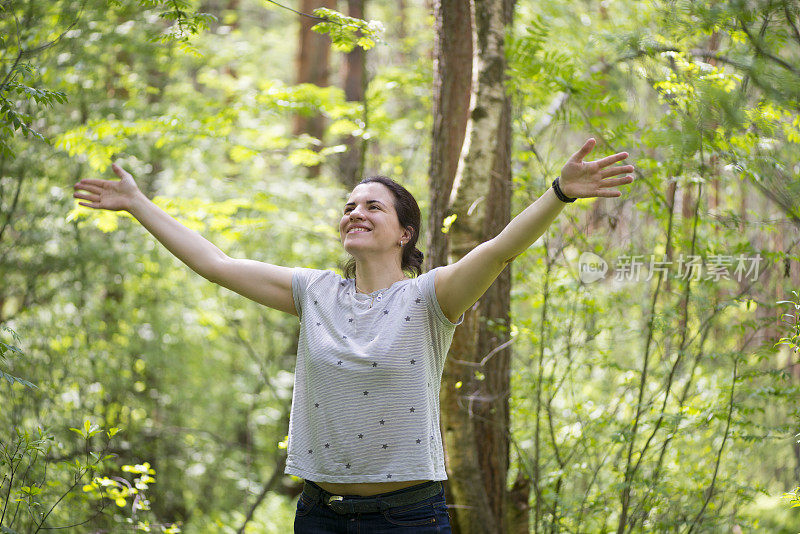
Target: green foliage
x=21 y=103
x=183 y=22
x=42 y=479
x=121 y=335
x=98 y=141
x=792 y=497
x=347 y=32
x=11 y=119
x=42 y=491
x=637 y=77
x=793 y=321
x=8 y=351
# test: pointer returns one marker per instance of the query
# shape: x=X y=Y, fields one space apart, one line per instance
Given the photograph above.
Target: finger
x=613 y=171
x=93 y=181
x=91 y=198
x=614 y=182
x=610 y=160
x=90 y=188
x=584 y=150
x=607 y=193
x=88 y=205
x=119 y=171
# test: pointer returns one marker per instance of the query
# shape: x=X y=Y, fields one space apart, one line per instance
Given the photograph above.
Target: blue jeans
x=422 y=517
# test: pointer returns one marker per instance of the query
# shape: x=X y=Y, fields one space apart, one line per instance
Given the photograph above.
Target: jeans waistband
x=351 y=504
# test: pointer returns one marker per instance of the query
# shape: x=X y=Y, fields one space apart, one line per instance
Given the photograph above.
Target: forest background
x=136 y=395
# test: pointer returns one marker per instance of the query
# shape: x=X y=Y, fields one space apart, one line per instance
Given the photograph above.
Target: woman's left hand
x=585 y=179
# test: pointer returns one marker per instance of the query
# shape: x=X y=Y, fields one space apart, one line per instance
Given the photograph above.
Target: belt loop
x=311 y=492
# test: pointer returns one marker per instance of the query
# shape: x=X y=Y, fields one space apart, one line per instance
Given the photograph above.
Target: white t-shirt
x=365 y=406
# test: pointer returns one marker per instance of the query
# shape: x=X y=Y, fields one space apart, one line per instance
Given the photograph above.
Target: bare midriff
x=366 y=489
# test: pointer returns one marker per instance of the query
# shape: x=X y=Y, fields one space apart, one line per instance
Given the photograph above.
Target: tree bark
x=351 y=163
x=476 y=187
x=452 y=82
x=312 y=64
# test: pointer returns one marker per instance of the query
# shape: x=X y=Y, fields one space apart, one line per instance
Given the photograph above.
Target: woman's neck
x=375 y=277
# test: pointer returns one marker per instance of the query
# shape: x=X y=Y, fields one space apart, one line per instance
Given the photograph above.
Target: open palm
x=107 y=194
x=585 y=179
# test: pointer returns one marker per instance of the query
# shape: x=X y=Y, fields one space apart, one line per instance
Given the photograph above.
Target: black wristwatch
x=560 y=194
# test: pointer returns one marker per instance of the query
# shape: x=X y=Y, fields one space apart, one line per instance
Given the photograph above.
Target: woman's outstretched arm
x=461 y=284
x=270 y=285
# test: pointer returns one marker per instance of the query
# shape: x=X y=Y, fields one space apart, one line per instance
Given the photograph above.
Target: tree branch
x=539 y=375
x=266 y=489
x=323 y=19
x=13 y=207
x=710 y=489
x=630 y=469
x=791 y=23
x=760 y=51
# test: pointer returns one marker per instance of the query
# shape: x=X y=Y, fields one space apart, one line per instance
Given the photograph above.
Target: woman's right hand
x=112 y=195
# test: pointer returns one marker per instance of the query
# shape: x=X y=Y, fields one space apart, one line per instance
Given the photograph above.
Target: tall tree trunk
x=351 y=163
x=313 y=58
x=475 y=412
x=452 y=83
x=402 y=32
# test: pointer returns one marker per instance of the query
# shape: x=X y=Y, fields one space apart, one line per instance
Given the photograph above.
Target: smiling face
x=370 y=206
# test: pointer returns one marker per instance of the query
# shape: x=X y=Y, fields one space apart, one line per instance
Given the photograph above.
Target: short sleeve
x=428 y=289
x=299 y=284
x=304 y=278
x=301 y=279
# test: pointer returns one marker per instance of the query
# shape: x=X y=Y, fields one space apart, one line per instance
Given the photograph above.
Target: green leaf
x=347 y=32
x=11 y=379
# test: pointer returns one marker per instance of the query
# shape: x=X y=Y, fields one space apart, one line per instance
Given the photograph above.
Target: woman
x=364 y=426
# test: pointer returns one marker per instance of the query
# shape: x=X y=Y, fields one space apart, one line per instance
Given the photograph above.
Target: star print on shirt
x=373 y=441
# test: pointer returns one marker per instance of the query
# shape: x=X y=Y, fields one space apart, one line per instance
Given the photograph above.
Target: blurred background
x=636 y=370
